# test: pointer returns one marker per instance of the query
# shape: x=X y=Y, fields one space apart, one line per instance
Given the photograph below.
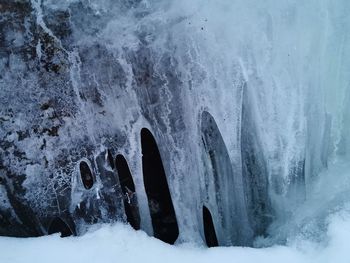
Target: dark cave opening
x=209 y=229
x=128 y=188
x=59 y=226
x=160 y=204
x=86 y=175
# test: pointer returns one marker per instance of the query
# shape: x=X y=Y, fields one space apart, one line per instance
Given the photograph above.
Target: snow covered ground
x=317 y=232
x=120 y=243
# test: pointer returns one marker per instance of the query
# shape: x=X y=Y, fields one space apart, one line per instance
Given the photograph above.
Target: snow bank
x=119 y=243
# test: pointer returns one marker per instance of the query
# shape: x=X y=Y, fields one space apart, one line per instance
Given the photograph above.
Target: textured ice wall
x=78 y=78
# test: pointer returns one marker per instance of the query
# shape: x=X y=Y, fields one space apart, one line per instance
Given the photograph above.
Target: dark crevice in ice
x=209 y=229
x=217 y=154
x=218 y=173
x=128 y=188
x=159 y=199
x=59 y=226
x=86 y=175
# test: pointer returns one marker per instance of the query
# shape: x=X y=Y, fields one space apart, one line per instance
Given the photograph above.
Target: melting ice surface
x=274 y=75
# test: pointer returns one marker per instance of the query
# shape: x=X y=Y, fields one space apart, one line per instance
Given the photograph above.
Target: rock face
x=81 y=80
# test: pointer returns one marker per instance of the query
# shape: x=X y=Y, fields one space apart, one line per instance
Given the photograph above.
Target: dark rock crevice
x=209 y=228
x=129 y=192
x=159 y=199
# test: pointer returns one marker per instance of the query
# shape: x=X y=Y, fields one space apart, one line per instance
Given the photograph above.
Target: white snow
x=317 y=232
x=119 y=243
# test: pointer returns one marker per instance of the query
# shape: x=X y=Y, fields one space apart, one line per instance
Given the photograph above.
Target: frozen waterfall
x=213 y=122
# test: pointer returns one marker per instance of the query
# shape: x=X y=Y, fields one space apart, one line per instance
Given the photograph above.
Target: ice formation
x=238 y=108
